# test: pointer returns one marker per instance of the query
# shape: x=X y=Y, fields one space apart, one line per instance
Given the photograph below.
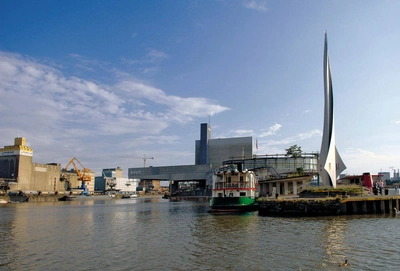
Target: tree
x=294 y=151
x=300 y=171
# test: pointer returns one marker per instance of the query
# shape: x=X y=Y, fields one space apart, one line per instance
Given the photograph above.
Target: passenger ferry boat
x=234 y=189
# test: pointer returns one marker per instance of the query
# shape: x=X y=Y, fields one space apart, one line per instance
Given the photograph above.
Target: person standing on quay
x=381 y=187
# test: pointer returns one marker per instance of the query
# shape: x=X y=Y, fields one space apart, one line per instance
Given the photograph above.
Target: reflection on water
x=334 y=237
x=155 y=234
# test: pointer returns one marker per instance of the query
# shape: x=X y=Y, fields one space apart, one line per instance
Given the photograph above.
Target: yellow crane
x=83 y=174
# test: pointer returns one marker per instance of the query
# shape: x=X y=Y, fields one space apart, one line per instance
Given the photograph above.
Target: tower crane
x=144 y=158
x=83 y=174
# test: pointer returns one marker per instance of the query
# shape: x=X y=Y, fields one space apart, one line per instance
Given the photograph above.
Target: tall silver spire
x=330 y=163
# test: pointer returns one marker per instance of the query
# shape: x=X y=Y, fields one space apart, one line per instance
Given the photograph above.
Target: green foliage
x=294 y=151
x=349 y=189
x=300 y=171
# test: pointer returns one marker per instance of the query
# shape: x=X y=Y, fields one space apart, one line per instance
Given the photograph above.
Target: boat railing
x=224 y=185
x=193 y=193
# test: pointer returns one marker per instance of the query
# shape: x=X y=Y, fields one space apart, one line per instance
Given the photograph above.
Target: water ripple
x=155 y=234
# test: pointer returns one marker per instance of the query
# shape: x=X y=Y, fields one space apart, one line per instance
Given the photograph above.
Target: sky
x=109 y=82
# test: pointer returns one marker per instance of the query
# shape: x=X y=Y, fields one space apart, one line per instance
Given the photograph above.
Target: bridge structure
x=287 y=174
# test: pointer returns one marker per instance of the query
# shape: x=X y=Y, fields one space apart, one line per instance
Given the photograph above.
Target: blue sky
x=110 y=81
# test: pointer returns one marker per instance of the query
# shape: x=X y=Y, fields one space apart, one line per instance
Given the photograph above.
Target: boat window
x=220 y=195
x=242 y=194
x=230 y=194
x=241 y=178
x=229 y=179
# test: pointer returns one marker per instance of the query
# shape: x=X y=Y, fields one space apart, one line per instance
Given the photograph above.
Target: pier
x=329 y=206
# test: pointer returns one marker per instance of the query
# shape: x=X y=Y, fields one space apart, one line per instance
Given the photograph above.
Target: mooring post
x=364 y=209
x=344 y=208
x=382 y=206
x=374 y=207
x=355 y=209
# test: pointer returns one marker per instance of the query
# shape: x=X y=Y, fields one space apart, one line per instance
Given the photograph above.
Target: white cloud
x=294 y=139
x=271 y=131
x=150 y=70
x=362 y=160
x=259 y=5
x=153 y=56
x=249 y=132
x=86 y=64
x=242 y=132
x=179 y=108
x=44 y=104
x=25 y=79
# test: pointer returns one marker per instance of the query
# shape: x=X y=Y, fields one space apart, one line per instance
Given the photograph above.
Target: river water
x=156 y=234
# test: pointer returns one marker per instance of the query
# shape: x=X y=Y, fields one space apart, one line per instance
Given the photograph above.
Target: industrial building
x=19 y=173
x=112 y=181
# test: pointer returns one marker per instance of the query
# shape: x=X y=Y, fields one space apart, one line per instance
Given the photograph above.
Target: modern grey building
x=209 y=155
x=202 y=144
x=215 y=151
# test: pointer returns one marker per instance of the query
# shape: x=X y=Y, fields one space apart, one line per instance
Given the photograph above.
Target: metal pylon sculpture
x=330 y=163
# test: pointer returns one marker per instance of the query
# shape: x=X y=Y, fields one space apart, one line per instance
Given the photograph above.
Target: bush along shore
x=340 y=191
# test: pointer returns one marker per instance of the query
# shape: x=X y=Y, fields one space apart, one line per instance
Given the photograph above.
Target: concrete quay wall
x=329 y=206
x=32 y=198
x=52 y=197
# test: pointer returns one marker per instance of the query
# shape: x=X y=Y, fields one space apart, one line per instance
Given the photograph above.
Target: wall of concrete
x=24 y=174
x=220 y=150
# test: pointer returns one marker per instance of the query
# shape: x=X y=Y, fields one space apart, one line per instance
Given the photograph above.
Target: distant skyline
x=108 y=82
